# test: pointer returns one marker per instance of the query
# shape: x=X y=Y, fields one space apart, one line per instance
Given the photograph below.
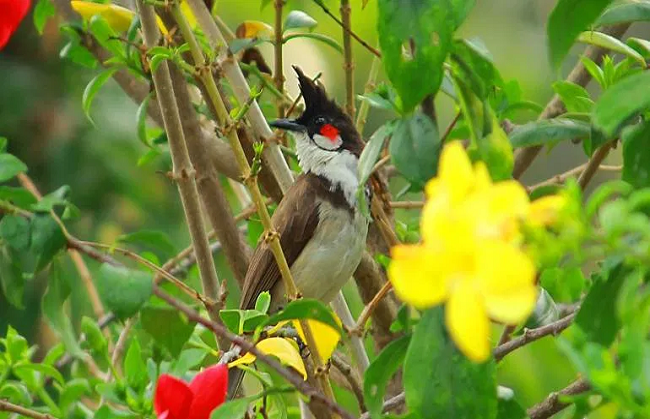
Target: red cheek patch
x=329 y=131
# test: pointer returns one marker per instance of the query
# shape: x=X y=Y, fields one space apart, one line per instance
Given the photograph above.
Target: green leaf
x=567 y=20
x=415 y=148
x=94 y=336
x=461 y=9
x=15 y=230
x=3 y=144
x=154 y=239
x=12 y=282
x=546 y=132
x=440 y=382
x=636 y=156
x=609 y=42
x=473 y=63
x=425 y=25
x=10 y=166
x=233 y=409
x=371 y=152
x=46 y=370
x=106 y=36
x=47 y=239
x=575 y=97
x=17 y=196
x=305 y=308
x=564 y=284
x=141 y=118
x=123 y=290
x=188 y=359
x=42 y=12
x=298 y=19
x=93 y=87
x=509 y=408
x=495 y=150
x=597 y=316
x=51 y=200
x=53 y=306
x=73 y=391
x=626 y=12
x=78 y=54
x=135 y=370
x=167 y=327
x=316 y=36
x=380 y=372
x=621 y=102
x=594 y=70
x=641 y=46
x=263 y=302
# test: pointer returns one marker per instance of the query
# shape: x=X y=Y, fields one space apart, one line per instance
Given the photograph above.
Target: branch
x=580 y=76
x=347 y=29
x=356 y=342
x=5 y=406
x=273 y=158
x=407 y=204
x=370 y=86
x=278 y=76
x=348 y=65
x=593 y=164
x=346 y=370
x=247 y=346
x=552 y=404
x=391 y=404
x=561 y=178
x=216 y=205
x=531 y=335
x=183 y=171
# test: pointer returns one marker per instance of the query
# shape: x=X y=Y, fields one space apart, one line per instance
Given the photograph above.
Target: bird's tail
x=235 y=377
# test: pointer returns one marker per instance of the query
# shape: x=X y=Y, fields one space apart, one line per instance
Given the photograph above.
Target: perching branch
x=531 y=335
x=6 y=406
x=580 y=76
x=552 y=404
x=278 y=73
x=348 y=65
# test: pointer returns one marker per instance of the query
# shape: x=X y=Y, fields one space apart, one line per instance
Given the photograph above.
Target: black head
x=327 y=126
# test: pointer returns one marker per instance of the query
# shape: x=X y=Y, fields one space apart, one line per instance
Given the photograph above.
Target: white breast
x=331 y=256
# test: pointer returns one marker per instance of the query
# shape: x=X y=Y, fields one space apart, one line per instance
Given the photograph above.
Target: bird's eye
x=320 y=120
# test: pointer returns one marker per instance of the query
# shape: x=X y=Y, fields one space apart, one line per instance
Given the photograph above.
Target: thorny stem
x=271 y=236
x=278 y=76
x=347 y=29
x=348 y=65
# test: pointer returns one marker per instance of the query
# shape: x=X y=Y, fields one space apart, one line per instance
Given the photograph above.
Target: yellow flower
x=470 y=256
x=326 y=337
x=284 y=349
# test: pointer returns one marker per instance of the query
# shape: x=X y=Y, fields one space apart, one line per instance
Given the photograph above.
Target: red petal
x=173 y=398
x=209 y=387
x=12 y=12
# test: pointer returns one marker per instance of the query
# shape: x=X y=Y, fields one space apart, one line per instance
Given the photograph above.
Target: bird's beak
x=287 y=124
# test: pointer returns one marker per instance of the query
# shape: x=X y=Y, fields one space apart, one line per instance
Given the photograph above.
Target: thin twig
x=362 y=115
x=120 y=346
x=451 y=126
x=6 y=406
x=358 y=348
x=562 y=177
x=370 y=307
x=380 y=163
x=552 y=404
x=580 y=76
x=347 y=29
x=407 y=204
x=594 y=163
x=531 y=335
x=345 y=369
x=278 y=76
x=247 y=346
x=348 y=64
x=391 y=404
x=183 y=171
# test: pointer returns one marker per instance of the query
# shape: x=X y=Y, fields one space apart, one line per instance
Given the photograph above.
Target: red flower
x=175 y=399
x=12 y=13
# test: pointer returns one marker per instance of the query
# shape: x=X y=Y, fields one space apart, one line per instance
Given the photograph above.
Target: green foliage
x=621 y=102
x=625 y=12
x=380 y=372
x=548 y=132
x=42 y=12
x=298 y=19
x=439 y=381
x=567 y=20
x=123 y=290
x=636 y=155
x=10 y=166
x=307 y=309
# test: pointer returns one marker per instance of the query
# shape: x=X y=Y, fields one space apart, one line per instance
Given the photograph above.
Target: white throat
x=339 y=167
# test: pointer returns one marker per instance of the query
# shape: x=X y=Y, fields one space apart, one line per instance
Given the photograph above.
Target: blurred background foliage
x=41 y=115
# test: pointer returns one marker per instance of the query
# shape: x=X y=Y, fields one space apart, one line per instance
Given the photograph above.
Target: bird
x=320 y=221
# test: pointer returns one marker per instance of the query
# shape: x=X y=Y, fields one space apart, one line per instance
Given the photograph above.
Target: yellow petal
x=545 y=210
x=482 y=177
x=417 y=275
x=272 y=331
x=326 y=337
x=118 y=18
x=507 y=278
x=283 y=349
x=467 y=322
x=189 y=15
x=455 y=170
x=254 y=29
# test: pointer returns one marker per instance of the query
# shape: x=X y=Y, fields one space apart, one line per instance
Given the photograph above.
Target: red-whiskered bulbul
x=322 y=229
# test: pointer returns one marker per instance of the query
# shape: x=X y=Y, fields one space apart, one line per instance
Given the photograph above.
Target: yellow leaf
x=118 y=18
x=283 y=349
x=325 y=336
x=254 y=29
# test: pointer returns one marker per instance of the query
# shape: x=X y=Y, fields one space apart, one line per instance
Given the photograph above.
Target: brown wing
x=295 y=220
